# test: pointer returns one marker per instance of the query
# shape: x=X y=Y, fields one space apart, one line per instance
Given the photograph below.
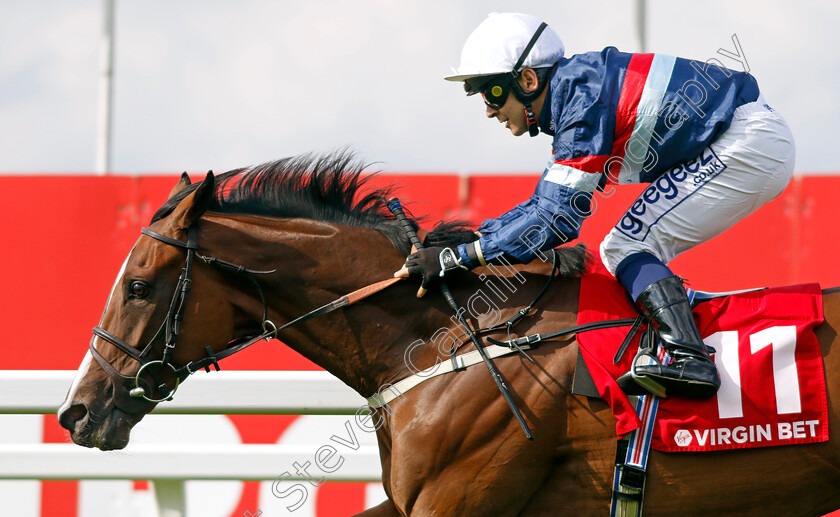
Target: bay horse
x=450 y=446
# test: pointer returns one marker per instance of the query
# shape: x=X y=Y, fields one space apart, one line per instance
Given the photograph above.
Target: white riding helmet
x=496 y=45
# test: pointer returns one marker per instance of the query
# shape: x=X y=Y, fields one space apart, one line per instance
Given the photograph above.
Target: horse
x=295 y=235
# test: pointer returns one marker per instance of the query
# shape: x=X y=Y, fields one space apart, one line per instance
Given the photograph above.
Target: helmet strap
x=531 y=120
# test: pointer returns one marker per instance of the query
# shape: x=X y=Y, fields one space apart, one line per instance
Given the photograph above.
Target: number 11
x=785 y=376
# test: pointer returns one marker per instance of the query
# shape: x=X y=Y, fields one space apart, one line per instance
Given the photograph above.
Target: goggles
x=494 y=89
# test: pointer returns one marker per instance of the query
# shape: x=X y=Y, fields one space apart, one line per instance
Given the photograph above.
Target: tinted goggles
x=494 y=89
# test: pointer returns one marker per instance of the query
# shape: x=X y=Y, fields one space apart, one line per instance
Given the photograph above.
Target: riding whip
x=396 y=208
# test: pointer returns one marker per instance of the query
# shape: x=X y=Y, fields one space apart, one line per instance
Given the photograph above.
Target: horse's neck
x=363 y=344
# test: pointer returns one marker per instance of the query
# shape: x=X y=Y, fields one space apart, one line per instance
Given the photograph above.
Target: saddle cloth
x=772 y=379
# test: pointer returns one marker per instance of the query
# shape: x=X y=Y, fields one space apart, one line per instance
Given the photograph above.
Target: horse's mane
x=333 y=188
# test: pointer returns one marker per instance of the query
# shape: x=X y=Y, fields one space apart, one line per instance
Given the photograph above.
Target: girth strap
x=389 y=392
x=628 y=488
x=497 y=349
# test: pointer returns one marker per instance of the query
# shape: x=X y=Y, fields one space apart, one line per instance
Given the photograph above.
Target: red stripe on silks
x=625 y=117
x=58 y=497
x=591 y=163
x=628 y=102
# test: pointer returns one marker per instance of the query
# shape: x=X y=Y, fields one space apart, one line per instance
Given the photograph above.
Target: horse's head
x=132 y=363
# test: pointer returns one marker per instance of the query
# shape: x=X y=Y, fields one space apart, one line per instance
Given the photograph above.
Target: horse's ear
x=191 y=207
x=181 y=185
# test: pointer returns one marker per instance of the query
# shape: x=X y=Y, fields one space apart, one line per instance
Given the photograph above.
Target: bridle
x=136 y=391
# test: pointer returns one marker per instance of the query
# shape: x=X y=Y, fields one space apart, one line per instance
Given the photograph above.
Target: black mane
x=329 y=187
x=333 y=188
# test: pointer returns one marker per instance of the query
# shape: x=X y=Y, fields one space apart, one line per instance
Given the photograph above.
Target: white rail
x=219 y=393
x=168 y=466
x=174 y=462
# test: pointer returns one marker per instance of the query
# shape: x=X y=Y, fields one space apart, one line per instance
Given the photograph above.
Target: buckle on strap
x=457 y=362
x=214 y=362
x=630 y=497
x=632 y=477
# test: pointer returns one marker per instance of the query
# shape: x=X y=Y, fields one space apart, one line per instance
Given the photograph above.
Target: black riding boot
x=692 y=372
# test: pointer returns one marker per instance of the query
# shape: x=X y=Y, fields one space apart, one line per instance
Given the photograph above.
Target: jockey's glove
x=432 y=264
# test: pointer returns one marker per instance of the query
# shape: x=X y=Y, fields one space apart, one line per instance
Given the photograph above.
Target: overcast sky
x=212 y=84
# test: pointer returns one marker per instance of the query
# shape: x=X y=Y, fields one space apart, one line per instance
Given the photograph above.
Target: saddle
x=755 y=335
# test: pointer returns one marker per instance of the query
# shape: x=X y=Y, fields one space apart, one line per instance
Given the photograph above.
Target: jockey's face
x=512 y=113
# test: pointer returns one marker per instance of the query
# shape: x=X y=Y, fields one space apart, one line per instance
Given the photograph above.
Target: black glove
x=432 y=264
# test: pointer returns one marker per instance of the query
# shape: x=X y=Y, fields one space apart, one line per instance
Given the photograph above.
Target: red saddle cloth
x=772 y=379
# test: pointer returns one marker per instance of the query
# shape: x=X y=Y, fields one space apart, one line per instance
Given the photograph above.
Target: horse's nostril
x=71 y=416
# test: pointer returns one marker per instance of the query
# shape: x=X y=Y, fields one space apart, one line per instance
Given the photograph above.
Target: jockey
x=701 y=135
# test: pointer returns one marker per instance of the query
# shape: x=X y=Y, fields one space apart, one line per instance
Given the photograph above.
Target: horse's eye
x=139 y=289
